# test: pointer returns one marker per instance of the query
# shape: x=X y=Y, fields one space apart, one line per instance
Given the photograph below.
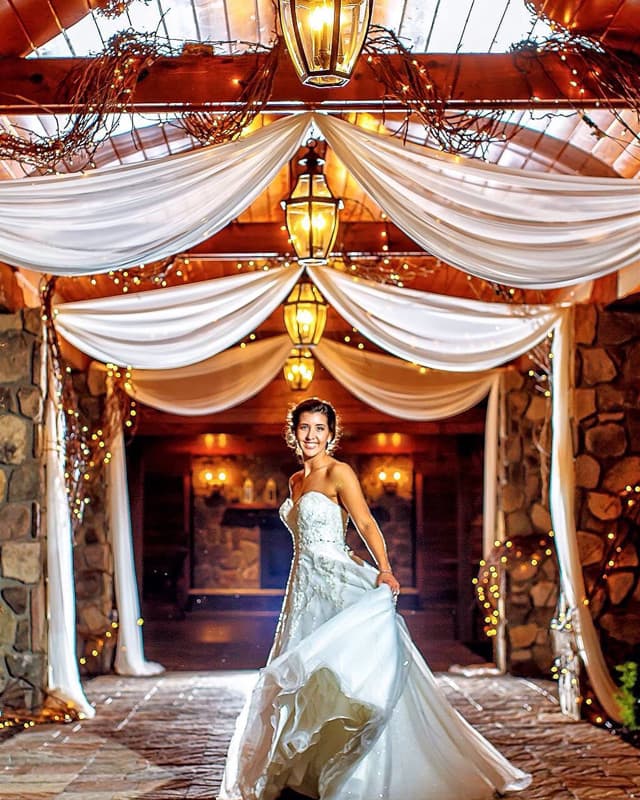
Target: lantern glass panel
x=305 y=314
x=299 y=369
x=325 y=37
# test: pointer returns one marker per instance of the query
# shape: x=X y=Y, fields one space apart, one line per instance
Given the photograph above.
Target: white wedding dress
x=346 y=708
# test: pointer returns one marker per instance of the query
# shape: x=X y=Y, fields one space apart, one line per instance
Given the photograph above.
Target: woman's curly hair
x=312 y=405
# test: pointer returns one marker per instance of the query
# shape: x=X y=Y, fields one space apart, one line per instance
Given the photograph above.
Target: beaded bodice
x=314 y=519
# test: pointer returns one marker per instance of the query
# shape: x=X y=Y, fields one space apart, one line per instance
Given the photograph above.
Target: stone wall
x=531 y=573
x=92 y=555
x=226 y=546
x=607 y=442
x=22 y=545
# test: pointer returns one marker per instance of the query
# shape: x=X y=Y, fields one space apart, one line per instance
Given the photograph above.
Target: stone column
x=92 y=556
x=530 y=570
x=607 y=441
x=23 y=636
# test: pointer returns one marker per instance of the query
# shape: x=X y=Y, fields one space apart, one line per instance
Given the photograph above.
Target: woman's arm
x=351 y=496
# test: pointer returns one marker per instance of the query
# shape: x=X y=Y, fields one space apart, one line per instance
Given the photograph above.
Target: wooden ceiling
x=465 y=43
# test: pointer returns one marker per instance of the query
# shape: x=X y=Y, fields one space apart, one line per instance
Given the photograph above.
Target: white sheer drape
x=80 y=224
x=447 y=333
x=562 y=484
x=130 y=658
x=176 y=326
x=221 y=382
x=490 y=473
x=63 y=678
x=505 y=225
x=400 y=389
x=510 y=226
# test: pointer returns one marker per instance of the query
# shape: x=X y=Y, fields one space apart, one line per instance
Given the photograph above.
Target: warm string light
x=414 y=88
x=14 y=721
x=504 y=556
x=94 y=646
x=587 y=64
x=83 y=451
x=103 y=87
x=214 y=128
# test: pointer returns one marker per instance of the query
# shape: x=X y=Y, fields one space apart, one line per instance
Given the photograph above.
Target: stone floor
x=164 y=738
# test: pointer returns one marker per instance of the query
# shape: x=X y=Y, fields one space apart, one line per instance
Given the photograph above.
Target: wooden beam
x=213 y=83
x=244 y=240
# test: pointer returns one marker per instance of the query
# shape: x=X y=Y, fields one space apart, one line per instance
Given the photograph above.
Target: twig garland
x=413 y=86
x=101 y=91
x=587 y=60
x=112 y=9
x=209 y=128
x=84 y=452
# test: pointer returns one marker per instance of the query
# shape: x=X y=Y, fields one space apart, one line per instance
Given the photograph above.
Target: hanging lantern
x=311 y=212
x=305 y=314
x=324 y=37
x=299 y=368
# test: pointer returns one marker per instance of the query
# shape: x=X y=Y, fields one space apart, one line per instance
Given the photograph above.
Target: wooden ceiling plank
x=494 y=80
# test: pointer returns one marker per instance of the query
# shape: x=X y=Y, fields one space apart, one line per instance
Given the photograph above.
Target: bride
x=346 y=708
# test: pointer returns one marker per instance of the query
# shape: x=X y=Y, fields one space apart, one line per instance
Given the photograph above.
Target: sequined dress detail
x=346 y=708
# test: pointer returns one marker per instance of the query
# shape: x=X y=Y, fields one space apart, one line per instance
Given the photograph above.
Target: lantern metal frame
x=324 y=54
x=310 y=201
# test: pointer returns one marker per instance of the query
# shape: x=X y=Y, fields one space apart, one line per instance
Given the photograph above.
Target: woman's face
x=312 y=433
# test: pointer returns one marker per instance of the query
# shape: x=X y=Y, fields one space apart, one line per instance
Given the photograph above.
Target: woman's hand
x=387 y=577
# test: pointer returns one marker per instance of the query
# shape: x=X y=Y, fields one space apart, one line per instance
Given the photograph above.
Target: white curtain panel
x=510 y=226
x=130 y=658
x=63 y=678
x=562 y=499
x=398 y=388
x=446 y=333
x=176 y=326
x=116 y=218
x=221 y=382
x=490 y=530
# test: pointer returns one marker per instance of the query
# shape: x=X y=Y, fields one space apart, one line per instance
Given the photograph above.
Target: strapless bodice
x=314 y=519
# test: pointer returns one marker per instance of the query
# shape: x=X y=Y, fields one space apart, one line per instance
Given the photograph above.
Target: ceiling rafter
x=203 y=82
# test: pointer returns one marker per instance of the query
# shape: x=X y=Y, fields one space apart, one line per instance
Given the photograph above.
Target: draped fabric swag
x=562 y=485
x=176 y=326
x=510 y=226
x=130 y=658
x=210 y=386
x=79 y=224
x=398 y=388
x=63 y=678
x=448 y=333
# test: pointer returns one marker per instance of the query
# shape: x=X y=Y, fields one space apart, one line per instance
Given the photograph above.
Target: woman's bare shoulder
x=339 y=471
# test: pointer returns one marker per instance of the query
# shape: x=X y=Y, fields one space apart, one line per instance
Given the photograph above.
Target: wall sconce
x=325 y=37
x=299 y=369
x=390 y=480
x=305 y=314
x=311 y=211
x=215 y=479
